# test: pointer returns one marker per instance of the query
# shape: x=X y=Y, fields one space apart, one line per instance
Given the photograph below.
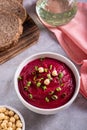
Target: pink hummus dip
x=46 y=83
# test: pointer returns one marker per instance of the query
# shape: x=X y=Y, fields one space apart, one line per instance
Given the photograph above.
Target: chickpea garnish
x=9 y=120
x=54 y=73
x=41 y=69
x=46 y=81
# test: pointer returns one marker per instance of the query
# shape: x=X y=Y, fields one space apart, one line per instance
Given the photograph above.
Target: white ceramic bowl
x=16 y=112
x=55 y=56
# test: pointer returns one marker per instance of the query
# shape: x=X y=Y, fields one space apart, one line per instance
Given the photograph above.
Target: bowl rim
x=58 y=57
x=16 y=112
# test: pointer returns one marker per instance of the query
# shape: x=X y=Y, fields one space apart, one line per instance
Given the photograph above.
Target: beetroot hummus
x=46 y=83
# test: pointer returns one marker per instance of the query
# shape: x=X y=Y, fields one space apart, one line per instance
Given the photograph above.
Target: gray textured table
x=73 y=118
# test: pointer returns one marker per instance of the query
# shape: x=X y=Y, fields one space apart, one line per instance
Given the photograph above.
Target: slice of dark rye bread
x=10 y=29
x=20 y=1
x=14 y=7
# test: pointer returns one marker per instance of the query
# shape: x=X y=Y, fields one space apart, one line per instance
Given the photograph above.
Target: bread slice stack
x=12 y=17
x=20 y=1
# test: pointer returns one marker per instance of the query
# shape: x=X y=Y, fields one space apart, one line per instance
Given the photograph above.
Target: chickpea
x=4 y=125
x=12 y=119
x=7 y=112
x=18 y=124
x=46 y=81
x=5 y=121
x=54 y=73
x=9 y=128
x=11 y=113
x=6 y=118
x=2 y=109
x=18 y=129
x=16 y=117
x=9 y=120
x=0 y=121
x=9 y=124
x=41 y=69
x=2 y=116
x=14 y=126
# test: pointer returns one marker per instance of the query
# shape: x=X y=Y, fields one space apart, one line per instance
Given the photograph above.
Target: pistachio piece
x=51 y=92
x=63 y=95
x=42 y=58
x=60 y=75
x=54 y=97
x=30 y=96
x=45 y=69
x=49 y=76
x=44 y=87
x=19 y=77
x=62 y=84
x=46 y=99
x=25 y=88
x=51 y=67
x=28 y=83
x=58 y=89
x=38 y=84
x=36 y=68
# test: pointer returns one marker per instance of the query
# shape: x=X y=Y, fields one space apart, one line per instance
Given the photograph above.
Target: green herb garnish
x=49 y=76
x=44 y=87
x=51 y=67
x=45 y=70
x=34 y=78
x=30 y=96
x=58 y=89
x=60 y=75
x=62 y=84
x=25 y=88
x=47 y=99
x=36 y=68
x=28 y=83
x=63 y=95
x=51 y=93
x=38 y=84
x=19 y=78
x=41 y=79
x=42 y=58
x=54 y=97
x=33 y=73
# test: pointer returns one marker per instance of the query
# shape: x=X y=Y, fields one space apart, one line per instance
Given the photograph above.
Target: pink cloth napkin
x=73 y=39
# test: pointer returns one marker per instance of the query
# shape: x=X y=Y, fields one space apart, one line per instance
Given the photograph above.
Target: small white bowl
x=16 y=112
x=54 y=56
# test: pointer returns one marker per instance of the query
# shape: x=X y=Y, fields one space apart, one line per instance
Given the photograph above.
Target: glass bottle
x=56 y=12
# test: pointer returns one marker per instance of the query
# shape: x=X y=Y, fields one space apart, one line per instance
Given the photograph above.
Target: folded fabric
x=73 y=39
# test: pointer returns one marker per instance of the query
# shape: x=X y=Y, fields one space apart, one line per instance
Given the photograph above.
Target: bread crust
x=20 y=1
x=14 y=39
x=15 y=7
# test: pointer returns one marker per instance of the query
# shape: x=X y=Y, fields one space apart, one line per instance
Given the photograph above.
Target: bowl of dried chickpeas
x=11 y=119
